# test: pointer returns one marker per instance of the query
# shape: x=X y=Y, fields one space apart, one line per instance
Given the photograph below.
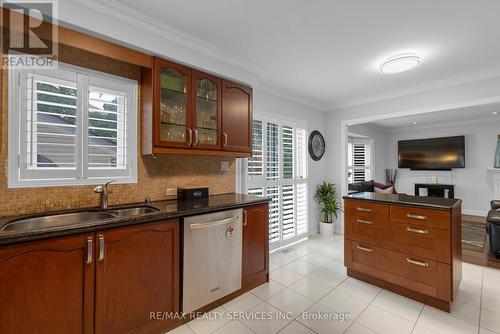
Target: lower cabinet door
x=255 y=245
x=137 y=278
x=47 y=286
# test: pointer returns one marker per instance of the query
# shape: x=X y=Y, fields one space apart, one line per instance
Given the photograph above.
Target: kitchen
x=155 y=181
x=151 y=208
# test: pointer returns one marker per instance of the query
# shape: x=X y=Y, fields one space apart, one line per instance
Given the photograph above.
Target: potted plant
x=326 y=196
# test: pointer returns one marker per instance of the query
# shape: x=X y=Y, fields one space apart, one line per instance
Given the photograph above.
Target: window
x=359 y=160
x=278 y=169
x=71 y=126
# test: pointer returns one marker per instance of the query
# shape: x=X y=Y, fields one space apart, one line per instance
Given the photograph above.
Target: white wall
x=379 y=154
x=475 y=92
x=473 y=183
x=272 y=105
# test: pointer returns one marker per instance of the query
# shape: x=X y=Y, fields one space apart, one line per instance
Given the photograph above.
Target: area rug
x=473 y=235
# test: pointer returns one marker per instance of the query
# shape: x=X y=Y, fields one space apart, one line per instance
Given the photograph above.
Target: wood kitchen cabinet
x=189 y=112
x=255 y=246
x=47 y=286
x=236 y=117
x=137 y=272
x=104 y=282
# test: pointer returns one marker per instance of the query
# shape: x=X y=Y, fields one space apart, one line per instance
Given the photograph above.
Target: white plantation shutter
x=301 y=153
x=287 y=152
x=301 y=206
x=256 y=162
x=288 y=212
x=272 y=152
x=274 y=214
x=70 y=126
x=359 y=161
x=279 y=170
x=50 y=125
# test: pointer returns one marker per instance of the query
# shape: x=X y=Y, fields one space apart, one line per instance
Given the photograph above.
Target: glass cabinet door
x=207 y=110
x=173 y=105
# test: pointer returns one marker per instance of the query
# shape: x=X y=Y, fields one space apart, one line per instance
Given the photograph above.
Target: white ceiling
x=327 y=52
x=439 y=118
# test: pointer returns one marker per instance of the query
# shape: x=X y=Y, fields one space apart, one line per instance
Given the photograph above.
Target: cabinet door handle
x=195 y=141
x=225 y=139
x=363 y=209
x=414 y=230
x=362 y=221
x=190 y=137
x=417 y=263
x=245 y=218
x=364 y=249
x=417 y=217
x=101 y=248
x=89 y=250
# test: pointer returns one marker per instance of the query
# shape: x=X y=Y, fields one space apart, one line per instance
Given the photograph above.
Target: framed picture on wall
x=497 y=155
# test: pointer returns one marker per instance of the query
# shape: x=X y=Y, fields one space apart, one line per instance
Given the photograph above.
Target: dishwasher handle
x=195 y=226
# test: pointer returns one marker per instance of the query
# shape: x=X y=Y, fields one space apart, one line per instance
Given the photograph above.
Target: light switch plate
x=172 y=192
x=224 y=166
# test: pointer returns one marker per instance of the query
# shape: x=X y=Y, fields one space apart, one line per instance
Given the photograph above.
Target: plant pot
x=326 y=229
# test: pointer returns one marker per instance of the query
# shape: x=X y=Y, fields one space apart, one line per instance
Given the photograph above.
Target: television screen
x=432 y=154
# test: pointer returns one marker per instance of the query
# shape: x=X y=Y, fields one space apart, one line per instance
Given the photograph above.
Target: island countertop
x=409 y=200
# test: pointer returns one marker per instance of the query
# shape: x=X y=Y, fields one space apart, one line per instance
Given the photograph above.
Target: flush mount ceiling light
x=399 y=63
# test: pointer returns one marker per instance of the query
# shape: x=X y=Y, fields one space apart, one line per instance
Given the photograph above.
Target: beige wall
x=154 y=176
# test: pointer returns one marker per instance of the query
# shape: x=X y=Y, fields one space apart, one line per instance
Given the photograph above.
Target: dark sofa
x=367 y=186
x=493 y=228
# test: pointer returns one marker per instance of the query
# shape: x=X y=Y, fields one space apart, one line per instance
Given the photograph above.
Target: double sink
x=52 y=221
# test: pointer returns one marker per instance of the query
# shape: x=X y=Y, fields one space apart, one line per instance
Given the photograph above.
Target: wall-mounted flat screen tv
x=432 y=154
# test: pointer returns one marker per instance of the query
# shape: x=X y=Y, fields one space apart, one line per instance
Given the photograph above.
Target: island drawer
x=419 y=216
x=366 y=211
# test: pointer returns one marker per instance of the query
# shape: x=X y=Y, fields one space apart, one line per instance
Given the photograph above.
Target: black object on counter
x=191 y=194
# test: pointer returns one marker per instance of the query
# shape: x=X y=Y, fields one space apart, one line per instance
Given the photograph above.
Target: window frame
x=262 y=182
x=83 y=79
x=369 y=157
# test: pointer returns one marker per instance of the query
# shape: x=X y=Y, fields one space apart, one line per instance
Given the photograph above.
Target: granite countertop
x=403 y=199
x=167 y=210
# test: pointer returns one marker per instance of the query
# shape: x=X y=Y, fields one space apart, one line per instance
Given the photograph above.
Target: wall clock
x=316 y=145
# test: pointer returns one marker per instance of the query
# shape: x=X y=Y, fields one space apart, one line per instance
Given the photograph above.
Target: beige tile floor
x=311 y=279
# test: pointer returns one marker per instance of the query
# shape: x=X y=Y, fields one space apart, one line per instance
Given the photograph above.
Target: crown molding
x=304 y=101
x=481 y=120
x=125 y=14
x=441 y=84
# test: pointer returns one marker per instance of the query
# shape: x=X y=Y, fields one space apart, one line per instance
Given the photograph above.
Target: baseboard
x=479 y=213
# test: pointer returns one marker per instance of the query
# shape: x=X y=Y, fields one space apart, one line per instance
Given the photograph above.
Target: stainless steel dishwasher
x=212 y=257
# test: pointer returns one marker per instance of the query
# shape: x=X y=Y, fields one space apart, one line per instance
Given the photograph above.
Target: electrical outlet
x=172 y=192
x=224 y=166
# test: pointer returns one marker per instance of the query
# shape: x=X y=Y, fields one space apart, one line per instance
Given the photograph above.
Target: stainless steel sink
x=132 y=212
x=46 y=222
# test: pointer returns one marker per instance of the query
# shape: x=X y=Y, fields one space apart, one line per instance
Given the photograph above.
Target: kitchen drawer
x=407 y=266
x=420 y=216
x=367 y=219
x=430 y=238
x=366 y=210
x=362 y=253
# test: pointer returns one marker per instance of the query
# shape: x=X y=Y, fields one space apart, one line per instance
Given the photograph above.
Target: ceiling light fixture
x=399 y=63
x=494 y=113
x=414 y=123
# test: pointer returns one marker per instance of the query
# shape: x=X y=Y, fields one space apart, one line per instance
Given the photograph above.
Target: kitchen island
x=410 y=245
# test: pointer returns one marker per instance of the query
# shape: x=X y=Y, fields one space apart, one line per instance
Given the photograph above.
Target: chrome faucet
x=103 y=190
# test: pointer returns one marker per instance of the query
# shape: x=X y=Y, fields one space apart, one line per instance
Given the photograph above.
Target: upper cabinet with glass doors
x=188 y=112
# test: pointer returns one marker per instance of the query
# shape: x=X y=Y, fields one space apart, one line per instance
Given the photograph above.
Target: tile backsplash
x=154 y=176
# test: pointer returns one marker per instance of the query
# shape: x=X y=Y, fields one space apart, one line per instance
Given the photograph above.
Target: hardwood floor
x=484 y=259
